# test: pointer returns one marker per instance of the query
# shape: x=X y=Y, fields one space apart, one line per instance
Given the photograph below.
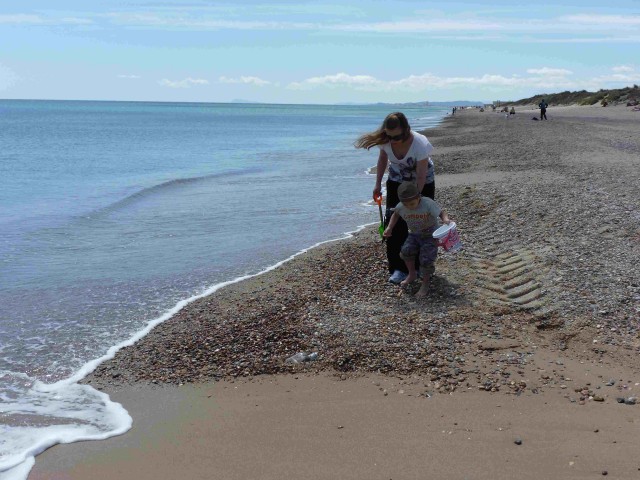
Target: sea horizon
x=250 y=102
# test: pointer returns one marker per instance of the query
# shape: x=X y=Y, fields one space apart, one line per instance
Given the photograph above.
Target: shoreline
x=89 y=368
x=91 y=365
x=359 y=353
x=73 y=434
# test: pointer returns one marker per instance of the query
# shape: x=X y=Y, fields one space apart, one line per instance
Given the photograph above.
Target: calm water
x=111 y=213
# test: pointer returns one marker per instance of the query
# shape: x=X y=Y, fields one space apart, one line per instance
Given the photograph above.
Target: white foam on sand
x=43 y=415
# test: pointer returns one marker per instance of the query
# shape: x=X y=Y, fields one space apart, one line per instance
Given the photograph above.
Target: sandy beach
x=522 y=362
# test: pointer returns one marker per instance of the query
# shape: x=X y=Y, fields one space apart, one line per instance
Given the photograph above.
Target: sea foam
x=67 y=411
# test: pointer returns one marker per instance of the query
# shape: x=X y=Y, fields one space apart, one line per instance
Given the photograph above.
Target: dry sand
x=530 y=335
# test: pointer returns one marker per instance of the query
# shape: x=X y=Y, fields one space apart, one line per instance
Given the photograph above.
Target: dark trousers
x=400 y=231
x=543 y=113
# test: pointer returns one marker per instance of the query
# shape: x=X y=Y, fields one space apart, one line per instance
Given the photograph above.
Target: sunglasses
x=395 y=138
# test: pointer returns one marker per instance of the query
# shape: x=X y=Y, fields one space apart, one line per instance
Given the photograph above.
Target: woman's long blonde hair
x=379 y=137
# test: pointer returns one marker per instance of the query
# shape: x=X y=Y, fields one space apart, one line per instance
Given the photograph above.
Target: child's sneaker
x=397 y=277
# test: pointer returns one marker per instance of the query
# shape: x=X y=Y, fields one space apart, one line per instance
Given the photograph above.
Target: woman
x=406 y=153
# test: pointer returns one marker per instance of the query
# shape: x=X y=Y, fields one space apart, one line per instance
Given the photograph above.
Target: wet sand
x=529 y=335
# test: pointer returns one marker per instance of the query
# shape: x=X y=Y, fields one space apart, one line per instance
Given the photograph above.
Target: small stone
x=598 y=398
x=518 y=441
x=604 y=472
x=620 y=399
x=631 y=401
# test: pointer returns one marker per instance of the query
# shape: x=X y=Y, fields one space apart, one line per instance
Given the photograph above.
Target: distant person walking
x=543 y=109
x=406 y=153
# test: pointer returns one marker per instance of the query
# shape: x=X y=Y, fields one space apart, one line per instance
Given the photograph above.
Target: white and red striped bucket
x=448 y=238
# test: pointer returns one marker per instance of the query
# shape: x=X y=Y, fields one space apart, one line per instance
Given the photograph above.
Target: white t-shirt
x=404 y=169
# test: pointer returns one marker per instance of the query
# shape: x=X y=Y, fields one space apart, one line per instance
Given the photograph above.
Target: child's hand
x=387 y=232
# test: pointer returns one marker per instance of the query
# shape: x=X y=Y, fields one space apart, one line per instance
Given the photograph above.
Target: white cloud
x=129 y=76
x=179 y=21
x=245 y=80
x=619 y=78
x=592 y=39
x=416 y=22
x=417 y=83
x=76 y=21
x=555 y=72
x=339 y=79
x=603 y=20
x=577 y=28
x=186 y=83
x=7 y=77
x=30 y=19
x=420 y=82
x=622 y=75
x=21 y=18
x=623 y=68
x=431 y=25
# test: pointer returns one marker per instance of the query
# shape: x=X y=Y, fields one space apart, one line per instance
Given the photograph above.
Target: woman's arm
x=383 y=160
x=421 y=172
x=444 y=217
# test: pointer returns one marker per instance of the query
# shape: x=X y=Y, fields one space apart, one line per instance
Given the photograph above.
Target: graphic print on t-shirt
x=409 y=173
x=405 y=169
x=424 y=218
x=399 y=172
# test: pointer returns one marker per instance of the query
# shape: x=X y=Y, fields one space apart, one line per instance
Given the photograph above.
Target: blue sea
x=114 y=215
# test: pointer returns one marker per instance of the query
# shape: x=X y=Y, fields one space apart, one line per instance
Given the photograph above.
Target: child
x=423 y=217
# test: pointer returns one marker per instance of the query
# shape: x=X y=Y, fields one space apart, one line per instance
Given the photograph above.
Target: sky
x=318 y=51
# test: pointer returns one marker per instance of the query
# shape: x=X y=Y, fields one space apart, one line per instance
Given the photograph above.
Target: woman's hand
x=377 y=192
x=387 y=232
